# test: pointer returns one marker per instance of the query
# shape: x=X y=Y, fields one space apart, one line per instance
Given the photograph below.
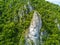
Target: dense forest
x=15 y=18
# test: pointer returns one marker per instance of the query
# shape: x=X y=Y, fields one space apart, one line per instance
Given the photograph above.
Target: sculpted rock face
x=33 y=35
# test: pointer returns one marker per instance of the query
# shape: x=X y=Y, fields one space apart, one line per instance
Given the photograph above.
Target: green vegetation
x=13 y=26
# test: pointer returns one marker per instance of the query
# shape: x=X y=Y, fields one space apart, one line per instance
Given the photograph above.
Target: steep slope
x=15 y=18
x=49 y=13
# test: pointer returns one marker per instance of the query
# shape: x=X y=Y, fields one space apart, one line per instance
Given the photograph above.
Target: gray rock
x=34 y=30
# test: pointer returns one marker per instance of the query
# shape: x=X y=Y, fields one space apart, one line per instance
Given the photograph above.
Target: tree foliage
x=13 y=23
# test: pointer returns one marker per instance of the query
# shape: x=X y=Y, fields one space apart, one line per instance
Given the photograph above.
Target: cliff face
x=34 y=30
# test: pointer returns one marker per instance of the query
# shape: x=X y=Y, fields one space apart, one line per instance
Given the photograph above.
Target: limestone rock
x=34 y=29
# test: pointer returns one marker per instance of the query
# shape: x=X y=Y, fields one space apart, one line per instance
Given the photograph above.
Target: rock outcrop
x=33 y=34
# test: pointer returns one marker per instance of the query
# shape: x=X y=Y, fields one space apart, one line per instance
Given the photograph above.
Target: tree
x=14 y=21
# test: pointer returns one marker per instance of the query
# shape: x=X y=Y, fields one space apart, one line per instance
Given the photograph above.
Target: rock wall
x=33 y=35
